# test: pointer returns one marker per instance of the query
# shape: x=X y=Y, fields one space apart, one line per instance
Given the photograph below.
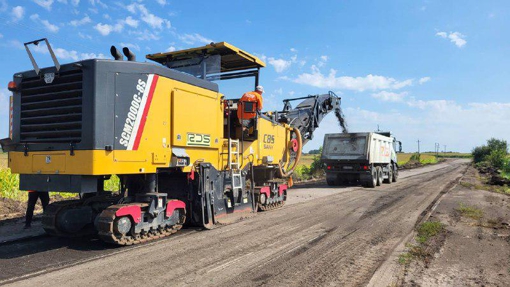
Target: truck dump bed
x=351 y=146
x=371 y=147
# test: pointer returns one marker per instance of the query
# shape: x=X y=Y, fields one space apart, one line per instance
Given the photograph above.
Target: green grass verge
x=470 y=211
x=426 y=231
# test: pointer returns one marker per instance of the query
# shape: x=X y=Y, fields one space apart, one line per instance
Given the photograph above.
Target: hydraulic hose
x=298 y=156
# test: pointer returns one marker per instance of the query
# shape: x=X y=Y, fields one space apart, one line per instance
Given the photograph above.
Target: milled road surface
x=323 y=237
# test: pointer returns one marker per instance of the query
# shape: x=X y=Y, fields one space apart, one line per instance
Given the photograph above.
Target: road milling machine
x=164 y=129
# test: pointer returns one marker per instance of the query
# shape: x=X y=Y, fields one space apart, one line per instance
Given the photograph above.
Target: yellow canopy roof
x=232 y=58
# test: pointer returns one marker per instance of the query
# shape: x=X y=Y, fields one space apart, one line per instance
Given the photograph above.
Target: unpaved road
x=323 y=237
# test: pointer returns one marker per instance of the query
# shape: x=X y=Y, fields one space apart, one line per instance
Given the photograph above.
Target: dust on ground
x=474 y=249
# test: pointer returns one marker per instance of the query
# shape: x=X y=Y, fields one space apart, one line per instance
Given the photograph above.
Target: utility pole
x=418 y=146
x=436 y=149
x=444 y=148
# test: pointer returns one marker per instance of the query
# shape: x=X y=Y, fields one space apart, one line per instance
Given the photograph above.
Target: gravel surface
x=324 y=236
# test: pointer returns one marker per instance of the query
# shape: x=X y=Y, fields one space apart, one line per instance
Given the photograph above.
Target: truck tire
x=390 y=175
x=379 y=175
x=395 y=173
x=373 y=178
x=330 y=182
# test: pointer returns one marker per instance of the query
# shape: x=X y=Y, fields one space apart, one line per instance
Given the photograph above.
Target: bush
x=491 y=152
x=497 y=158
x=415 y=157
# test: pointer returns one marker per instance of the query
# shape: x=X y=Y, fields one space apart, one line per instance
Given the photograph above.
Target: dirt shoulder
x=472 y=249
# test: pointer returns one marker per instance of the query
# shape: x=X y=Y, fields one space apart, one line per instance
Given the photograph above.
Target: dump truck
x=164 y=129
x=366 y=158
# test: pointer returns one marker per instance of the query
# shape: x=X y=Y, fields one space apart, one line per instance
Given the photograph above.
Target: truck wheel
x=390 y=175
x=395 y=173
x=330 y=182
x=379 y=175
x=373 y=178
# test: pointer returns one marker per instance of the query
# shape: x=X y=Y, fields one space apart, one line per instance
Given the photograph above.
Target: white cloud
x=80 y=22
x=99 y=3
x=12 y=44
x=106 y=29
x=46 y=4
x=1 y=36
x=75 y=2
x=62 y=1
x=161 y=2
x=63 y=54
x=131 y=22
x=262 y=57
x=455 y=37
x=324 y=58
x=293 y=50
x=192 y=39
x=171 y=49
x=436 y=105
x=147 y=17
x=331 y=81
x=50 y=27
x=279 y=65
x=386 y=96
x=130 y=46
x=442 y=34
x=84 y=56
x=144 y=35
x=459 y=127
x=18 y=13
x=424 y=80
x=84 y=36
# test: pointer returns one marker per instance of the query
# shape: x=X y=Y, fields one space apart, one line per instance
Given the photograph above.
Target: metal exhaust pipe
x=129 y=54
x=116 y=54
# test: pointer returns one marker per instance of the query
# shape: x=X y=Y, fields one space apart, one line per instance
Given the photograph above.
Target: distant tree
x=315 y=151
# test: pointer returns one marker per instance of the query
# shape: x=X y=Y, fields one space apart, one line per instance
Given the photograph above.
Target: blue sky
x=437 y=71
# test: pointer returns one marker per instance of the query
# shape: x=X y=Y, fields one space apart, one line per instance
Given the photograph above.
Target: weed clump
x=470 y=211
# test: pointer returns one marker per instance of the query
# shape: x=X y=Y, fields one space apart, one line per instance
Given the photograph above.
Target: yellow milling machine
x=164 y=129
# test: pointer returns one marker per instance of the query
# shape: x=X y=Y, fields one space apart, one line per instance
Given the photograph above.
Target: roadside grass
x=306 y=160
x=469 y=211
x=428 y=229
x=9 y=187
x=452 y=155
x=425 y=234
x=505 y=189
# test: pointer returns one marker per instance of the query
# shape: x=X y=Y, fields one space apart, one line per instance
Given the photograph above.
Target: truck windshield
x=345 y=146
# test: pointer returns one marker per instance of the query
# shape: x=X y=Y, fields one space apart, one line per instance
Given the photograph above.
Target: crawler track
x=106 y=232
x=49 y=219
x=271 y=206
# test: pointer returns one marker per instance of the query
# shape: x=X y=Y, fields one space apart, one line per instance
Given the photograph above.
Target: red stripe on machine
x=145 y=112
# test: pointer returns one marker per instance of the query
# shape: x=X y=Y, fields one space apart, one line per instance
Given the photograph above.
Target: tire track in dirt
x=338 y=239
